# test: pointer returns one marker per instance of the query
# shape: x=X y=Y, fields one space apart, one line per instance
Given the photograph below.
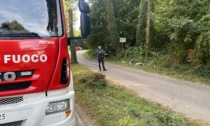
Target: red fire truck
x=36 y=85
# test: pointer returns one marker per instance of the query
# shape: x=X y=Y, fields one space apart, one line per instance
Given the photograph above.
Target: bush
x=133 y=53
x=204 y=71
x=93 y=80
x=91 y=53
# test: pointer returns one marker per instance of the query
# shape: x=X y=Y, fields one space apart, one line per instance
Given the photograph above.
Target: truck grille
x=12 y=100
x=17 y=123
x=14 y=86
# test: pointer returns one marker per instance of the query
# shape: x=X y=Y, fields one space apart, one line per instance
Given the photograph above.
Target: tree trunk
x=112 y=27
x=72 y=46
x=147 y=29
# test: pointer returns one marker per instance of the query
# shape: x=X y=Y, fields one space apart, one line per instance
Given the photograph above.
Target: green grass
x=111 y=105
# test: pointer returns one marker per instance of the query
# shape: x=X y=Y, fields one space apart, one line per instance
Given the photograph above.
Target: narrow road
x=193 y=100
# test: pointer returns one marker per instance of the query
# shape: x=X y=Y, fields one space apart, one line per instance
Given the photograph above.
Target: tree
x=71 y=30
x=69 y=4
x=141 y=25
x=13 y=26
x=126 y=12
x=112 y=27
x=123 y=13
x=186 y=26
x=70 y=20
x=98 y=21
x=148 y=28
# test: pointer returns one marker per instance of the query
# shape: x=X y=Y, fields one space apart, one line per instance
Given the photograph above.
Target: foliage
x=13 y=25
x=141 y=26
x=70 y=20
x=91 y=53
x=126 y=12
x=98 y=25
x=204 y=71
x=107 y=24
x=80 y=43
x=176 y=27
x=185 y=25
x=69 y=4
x=112 y=26
x=93 y=80
x=136 y=54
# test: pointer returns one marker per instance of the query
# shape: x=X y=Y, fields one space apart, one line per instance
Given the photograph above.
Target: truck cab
x=36 y=85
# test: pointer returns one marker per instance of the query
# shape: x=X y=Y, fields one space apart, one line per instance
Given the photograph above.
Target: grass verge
x=111 y=105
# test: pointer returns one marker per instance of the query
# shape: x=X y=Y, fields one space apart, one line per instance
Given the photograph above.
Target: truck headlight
x=58 y=106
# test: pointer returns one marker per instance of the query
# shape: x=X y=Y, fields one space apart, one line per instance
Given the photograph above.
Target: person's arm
x=96 y=52
x=103 y=54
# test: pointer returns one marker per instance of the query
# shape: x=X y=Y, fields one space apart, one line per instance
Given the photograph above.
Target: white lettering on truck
x=25 y=58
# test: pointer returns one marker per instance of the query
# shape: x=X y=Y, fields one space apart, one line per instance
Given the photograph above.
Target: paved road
x=191 y=99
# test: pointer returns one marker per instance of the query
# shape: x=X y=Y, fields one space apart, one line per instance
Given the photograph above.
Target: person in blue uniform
x=100 y=55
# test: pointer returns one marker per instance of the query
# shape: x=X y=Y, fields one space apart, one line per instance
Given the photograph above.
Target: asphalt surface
x=190 y=99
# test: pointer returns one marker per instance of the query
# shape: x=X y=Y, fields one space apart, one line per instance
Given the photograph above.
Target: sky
x=77 y=25
x=32 y=19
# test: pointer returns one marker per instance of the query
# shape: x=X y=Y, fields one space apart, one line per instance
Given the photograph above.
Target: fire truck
x=36 y=84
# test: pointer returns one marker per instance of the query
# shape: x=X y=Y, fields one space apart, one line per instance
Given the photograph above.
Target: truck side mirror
x=84 y=18
x=84 y=7
x=85 y=25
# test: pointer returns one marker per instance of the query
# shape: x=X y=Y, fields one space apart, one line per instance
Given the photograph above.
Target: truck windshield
x=30 y=18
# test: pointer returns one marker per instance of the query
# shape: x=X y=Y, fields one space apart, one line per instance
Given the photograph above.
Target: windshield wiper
x=20 y=34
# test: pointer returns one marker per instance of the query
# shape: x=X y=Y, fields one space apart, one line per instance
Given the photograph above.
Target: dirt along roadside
x=190 y=99
x=82 y=119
